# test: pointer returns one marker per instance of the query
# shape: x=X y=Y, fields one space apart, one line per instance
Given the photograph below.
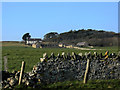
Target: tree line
x=92 y=37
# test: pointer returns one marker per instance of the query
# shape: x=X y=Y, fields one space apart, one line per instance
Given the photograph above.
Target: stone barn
x=44 y=45
x=82 y=44
x=36 y=45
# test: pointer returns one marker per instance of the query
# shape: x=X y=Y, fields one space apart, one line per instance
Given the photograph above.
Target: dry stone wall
x=67 y=67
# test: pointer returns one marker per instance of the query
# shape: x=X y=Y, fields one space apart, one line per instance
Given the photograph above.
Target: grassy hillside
x=16 y=53
x=12 y=43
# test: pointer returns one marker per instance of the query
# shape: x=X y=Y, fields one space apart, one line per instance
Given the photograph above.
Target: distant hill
x=92 y=37
x=12 y=43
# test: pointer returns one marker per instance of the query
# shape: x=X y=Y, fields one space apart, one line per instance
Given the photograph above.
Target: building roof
x=35 y=39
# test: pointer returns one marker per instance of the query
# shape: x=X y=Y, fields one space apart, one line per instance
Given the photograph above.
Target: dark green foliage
x=92 y=37
x=50 y=35
x=26 y=36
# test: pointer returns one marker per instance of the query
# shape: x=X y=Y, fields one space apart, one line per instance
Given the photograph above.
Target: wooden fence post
x=86 y=72
x=5 y=63
x=21 y=72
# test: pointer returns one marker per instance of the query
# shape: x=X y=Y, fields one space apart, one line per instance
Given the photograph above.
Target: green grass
x=17 y=54
x=90 y=84
x=73 y=85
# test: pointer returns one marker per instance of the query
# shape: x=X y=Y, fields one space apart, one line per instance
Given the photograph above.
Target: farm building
x=33 y=41
x=49 y=45
x=69 y=46
x=82 y=44
x=36 y=45
x=44 y=45
x=61 y=45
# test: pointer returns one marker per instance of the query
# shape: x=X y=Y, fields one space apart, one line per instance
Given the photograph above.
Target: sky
x=40 y=18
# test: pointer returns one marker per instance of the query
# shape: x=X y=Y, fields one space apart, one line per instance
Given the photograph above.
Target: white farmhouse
x=33 y=41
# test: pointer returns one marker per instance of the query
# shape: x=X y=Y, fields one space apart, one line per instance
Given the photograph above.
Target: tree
x=26 y=37
x=50 y=35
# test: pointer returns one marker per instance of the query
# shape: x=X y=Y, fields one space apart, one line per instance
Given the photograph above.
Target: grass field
x=76 y=85
x=100 y=84
x=16 y=53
